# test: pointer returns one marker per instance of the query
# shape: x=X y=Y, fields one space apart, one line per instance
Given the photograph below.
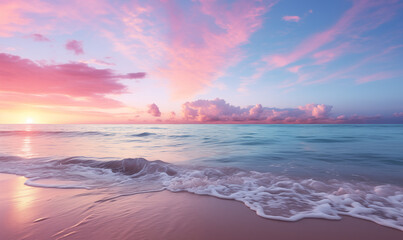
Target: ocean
x=282 y=172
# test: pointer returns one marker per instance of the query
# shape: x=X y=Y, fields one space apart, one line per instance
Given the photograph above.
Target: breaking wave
x=270 y=195
x=143 y=134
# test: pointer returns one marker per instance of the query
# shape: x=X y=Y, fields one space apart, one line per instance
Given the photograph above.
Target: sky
x=201 y=61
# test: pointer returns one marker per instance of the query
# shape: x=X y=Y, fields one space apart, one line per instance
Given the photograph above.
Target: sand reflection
x=20 y=201
x=23 y=196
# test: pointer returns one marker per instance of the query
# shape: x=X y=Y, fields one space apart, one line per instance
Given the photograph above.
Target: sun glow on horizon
x=29 y=121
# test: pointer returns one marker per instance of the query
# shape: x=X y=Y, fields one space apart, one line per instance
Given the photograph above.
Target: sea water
x=284 y=172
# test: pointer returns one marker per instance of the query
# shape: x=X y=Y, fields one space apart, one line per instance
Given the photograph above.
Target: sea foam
x=272 y=196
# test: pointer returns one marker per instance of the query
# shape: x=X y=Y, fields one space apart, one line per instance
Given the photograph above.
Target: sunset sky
x=201 y=61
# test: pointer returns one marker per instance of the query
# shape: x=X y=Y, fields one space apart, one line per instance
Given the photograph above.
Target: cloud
x=137 y=75
x=75 y=46
x=291 y=18
x=20 y=16
x=375 y=13
x=328 y=55
x=172 y=115
x=66 y=101
x=98 y=62
x=196 y=60
x=38 y=37
x=188 y=46
x=295 y=69
x=317 y=110
x=398 y=114
x=196 y=44
x=375 y=77
x=77 y=81
x=218 y=110
x=13 y=15
x=154 y=110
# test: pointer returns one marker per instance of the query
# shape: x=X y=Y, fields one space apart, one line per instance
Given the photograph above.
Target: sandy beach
x=45 y=213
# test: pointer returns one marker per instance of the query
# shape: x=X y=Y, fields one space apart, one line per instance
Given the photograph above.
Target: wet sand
x=45 y=213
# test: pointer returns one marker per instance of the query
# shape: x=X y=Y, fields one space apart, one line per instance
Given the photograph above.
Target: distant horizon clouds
x=218 y=110
x=153 y=110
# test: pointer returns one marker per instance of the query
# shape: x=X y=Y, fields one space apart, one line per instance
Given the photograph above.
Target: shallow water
x=285 y=172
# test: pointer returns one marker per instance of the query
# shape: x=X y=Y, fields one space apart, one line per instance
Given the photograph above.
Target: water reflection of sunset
x=28 y=128
x=26 y=149
x=26 y=146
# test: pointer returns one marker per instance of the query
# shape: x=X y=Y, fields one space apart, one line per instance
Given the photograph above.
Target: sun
x=29 y=121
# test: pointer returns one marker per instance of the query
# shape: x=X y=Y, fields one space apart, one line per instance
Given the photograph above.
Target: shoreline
x=47 y=213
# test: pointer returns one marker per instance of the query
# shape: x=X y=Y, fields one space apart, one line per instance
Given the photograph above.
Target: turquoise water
x=368 y=152
x=284 y=172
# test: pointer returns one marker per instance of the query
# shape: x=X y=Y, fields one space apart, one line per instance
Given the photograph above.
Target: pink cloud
x=194 y=62
x=38 y=37
x=375 y=77
x=398 y=114
x=154 y=110
x=137 y=75
x=219 y=111
x=75 y=46
x=291 y=18
x=375 y=13
x=98 y=62
x=317 y=110
x=13 y=18
x=295 y=69
x=61 y=100
x=19 y=16
x=330 y=54
x=199 y=43
x=172 y=116
x=345 y=71
x=187 y=48
x=78 y=81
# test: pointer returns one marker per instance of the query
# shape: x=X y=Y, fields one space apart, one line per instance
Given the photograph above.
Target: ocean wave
x=181 y=136
x=270 y=195
x=329 y=140
x=135 y=167
x=143 y=134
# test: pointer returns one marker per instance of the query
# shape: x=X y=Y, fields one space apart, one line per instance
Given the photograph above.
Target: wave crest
x=269 y=195
x=136 y=167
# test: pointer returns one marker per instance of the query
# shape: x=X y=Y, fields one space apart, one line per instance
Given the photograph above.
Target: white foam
x=271 y=196
x=282 y=198
x=32 y=183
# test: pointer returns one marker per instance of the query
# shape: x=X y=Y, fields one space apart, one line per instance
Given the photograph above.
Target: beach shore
x=47 y=213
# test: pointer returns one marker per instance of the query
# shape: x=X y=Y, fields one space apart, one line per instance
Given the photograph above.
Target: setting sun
x=29 y=121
